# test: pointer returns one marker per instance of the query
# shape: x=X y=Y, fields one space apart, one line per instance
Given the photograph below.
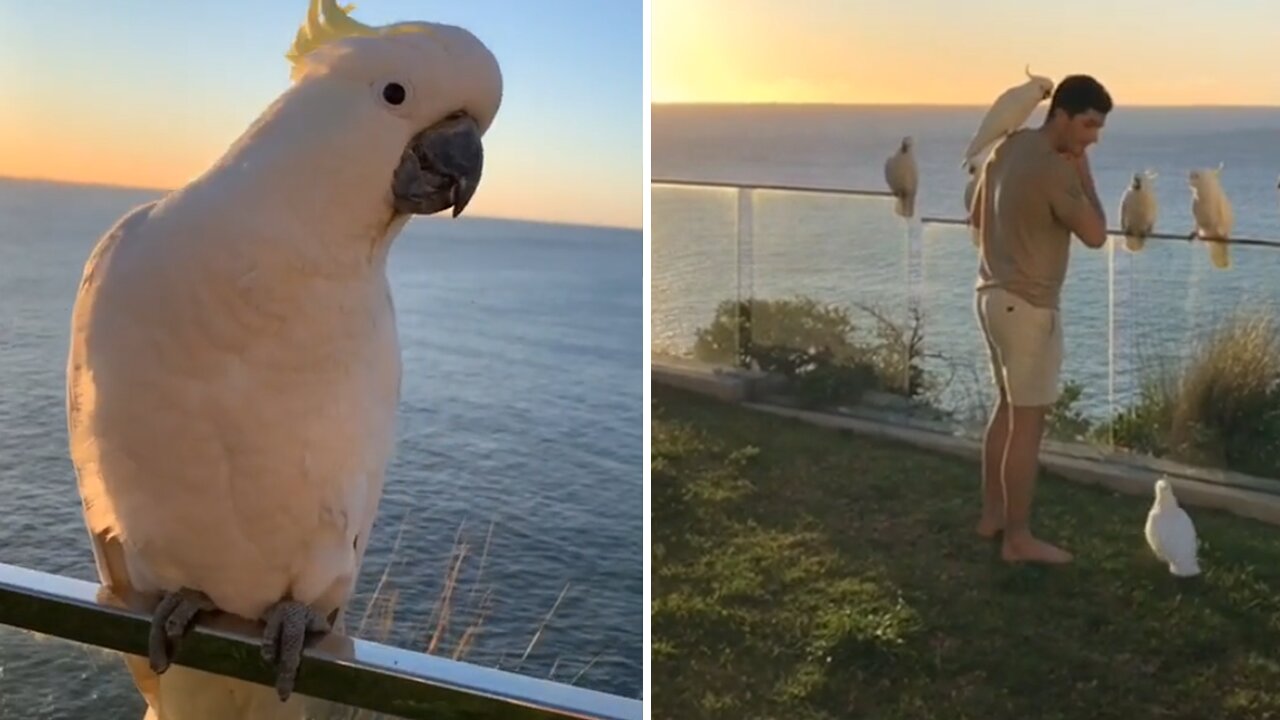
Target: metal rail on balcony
x=352 y=672
x=927 y=220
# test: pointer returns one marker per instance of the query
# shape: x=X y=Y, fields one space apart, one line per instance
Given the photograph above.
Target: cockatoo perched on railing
x=1138 y=210
x=1007 y=114
x=234 y=370
x=1212 y=212
x=903 y=177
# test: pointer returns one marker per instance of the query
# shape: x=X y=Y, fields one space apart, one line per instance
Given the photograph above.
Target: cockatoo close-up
x=1138 y=211
x=903 y=177
x=1171 y=534
x=1008 y=113
x=234 y=369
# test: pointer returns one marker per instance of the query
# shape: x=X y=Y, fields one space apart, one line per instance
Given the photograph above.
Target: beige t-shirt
x=1029 y=186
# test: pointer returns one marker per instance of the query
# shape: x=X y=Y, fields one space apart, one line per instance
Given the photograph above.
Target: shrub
x=817 y=347
x=1064 y=421
x=1220 y=408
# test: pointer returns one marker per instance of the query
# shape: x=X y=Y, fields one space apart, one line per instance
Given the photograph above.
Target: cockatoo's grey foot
x=170 y=621
x=288 y=624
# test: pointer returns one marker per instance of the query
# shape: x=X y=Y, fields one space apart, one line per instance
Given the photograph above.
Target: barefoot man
x=1036 y=190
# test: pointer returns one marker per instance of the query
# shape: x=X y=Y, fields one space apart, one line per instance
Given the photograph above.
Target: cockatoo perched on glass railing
x=234 y=370
x=1007 y=114
x=1212 y=212
x=903 y=178
x=1138 y=210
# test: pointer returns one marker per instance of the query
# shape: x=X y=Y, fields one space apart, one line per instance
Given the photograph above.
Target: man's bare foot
x=1028 y=548
x=988 y=529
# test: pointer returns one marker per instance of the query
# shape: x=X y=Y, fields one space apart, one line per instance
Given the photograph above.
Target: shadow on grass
x=805 y=573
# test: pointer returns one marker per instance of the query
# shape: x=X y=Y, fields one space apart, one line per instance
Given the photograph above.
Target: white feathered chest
x=232 y=413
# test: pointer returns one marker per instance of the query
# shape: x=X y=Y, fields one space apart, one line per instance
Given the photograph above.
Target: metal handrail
x=928 y=220
x=784 y=188
x=339 y=669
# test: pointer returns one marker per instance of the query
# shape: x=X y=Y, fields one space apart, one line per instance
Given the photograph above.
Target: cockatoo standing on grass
x=1138 y=209
x=1008 y=113
x=1212 y=211
x=1171 y=534
x=234 y=370
x=903 y=177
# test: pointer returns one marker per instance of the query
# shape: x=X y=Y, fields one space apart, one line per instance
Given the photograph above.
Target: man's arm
x=1091 y=193
x=979 y=197
x=1078 y=207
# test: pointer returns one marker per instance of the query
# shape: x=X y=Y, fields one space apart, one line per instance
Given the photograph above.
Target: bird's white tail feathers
x=905 y=206
x=1219 y=254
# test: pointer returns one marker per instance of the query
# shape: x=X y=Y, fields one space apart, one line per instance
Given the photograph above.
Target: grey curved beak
x=440 y=168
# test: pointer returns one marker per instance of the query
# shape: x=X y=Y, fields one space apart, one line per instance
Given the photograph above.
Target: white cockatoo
x=903 y=177
x=971 y=189
x=234 y=368
x=1008 y=113
x=1171 y=534
x=1212 y=212
x=1138 y=210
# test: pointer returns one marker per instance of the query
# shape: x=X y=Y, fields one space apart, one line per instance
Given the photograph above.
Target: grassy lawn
x=804 y=573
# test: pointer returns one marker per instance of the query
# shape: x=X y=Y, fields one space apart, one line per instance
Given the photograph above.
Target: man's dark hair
x=1079 y=93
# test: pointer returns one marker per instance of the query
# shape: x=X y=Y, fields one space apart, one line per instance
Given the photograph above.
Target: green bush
x=796 y=324
x=1144 y=425
x=1064 y=421
x=1221 y=408
x=825 y=356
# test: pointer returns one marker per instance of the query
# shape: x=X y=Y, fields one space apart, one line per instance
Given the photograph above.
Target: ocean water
x=520 y=428
x=1124 y=312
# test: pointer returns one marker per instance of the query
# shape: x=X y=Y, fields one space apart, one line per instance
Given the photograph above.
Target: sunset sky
x=1147 y=52
x=148 y=93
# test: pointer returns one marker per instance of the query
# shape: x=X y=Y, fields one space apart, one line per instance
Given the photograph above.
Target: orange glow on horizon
x=927 y=52
x=113 y=155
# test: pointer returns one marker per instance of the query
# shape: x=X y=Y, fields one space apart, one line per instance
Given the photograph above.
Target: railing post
x=745 y=276
x=915 y=281
x=1112 y=352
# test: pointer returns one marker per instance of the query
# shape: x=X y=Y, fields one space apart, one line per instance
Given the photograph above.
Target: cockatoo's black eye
x=394 y=93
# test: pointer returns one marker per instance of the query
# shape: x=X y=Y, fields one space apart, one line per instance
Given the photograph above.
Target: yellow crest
x=327 y=22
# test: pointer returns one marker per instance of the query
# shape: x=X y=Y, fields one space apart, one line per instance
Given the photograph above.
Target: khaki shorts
x=1025 y=344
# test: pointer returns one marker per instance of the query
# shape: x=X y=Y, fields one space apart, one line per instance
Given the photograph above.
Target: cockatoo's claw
x=170 y=621
x=289 y=622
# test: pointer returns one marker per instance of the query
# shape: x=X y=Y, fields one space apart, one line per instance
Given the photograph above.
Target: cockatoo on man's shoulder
x=1008 y=113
